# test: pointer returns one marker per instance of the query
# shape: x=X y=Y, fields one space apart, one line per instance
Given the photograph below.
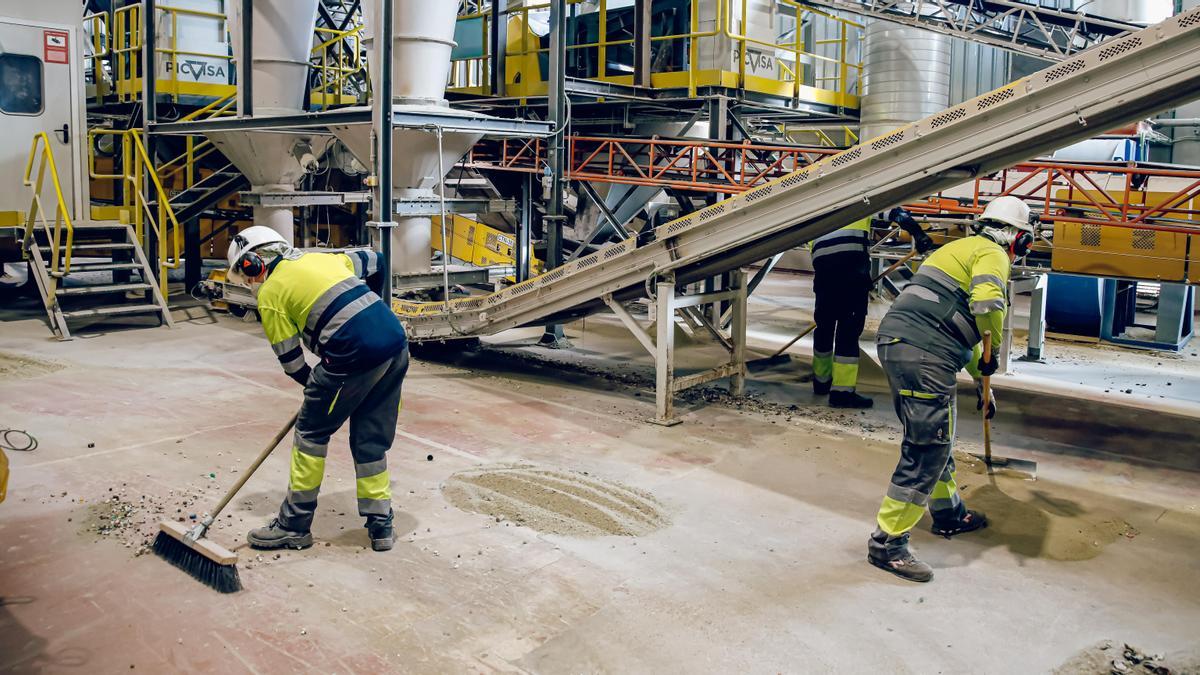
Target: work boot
x=274 y=536
x=904 y=566
x=891 y=553
x=974 y=520
x=849 y=399
x=821 y=388
x=379 y=529
x=381 y=536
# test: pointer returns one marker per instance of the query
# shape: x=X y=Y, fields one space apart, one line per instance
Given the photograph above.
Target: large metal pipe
x=281 y=39
x=423 y=37
x=906 y=76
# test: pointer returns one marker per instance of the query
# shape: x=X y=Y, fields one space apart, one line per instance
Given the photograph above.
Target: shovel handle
x=985 y=357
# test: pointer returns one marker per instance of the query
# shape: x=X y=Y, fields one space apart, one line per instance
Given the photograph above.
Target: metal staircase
x=102 y=272
x=202 y=196
x=93 y=269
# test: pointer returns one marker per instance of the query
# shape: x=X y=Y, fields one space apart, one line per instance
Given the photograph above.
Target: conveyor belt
x=1107 y=86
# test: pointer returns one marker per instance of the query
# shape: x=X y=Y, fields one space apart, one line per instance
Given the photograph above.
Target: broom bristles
x=223 y=578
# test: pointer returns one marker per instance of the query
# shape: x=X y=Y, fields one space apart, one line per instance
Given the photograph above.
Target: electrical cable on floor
x=27 y=444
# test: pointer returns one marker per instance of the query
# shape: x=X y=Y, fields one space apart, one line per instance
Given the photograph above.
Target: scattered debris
x=1105 y=658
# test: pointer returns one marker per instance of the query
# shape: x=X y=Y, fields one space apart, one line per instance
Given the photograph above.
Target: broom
x=210 y=563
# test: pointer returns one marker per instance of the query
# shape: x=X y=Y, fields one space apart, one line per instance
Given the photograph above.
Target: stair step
x=98 y=225
x=103 y=267
x=115 y=309
x=93 y=247
x=104 y=288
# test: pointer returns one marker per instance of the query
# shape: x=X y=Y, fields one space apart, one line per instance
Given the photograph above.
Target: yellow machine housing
x=479 y=244
x=1130 y=253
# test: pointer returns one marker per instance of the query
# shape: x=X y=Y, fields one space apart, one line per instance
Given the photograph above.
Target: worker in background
x=931 y=332
x=842 y=285
x=330 y=303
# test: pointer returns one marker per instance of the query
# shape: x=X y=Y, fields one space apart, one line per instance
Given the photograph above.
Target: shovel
x=1023 y=466
x=780 y=357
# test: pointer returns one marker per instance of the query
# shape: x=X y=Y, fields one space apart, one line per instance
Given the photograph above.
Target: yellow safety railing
x=41 y=153
x=137 y=169
x=99 y=39
x=128 y=68
x=820 y=136
x=337 y=60
x=834 y=78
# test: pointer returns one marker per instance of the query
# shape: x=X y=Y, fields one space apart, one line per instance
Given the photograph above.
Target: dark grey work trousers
x=371 y=402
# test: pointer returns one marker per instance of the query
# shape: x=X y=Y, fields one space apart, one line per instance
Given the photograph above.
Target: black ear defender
x=1021 y=244
x=250 y=263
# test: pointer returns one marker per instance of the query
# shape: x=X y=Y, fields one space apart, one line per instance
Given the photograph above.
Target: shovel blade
x=1023 y=466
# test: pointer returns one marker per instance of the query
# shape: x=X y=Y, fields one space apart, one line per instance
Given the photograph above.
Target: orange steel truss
x=1110 y=195
x=707 y=166
x=1107 y=194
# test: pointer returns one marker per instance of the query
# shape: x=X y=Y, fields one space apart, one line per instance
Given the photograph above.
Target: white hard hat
x=249 y=239
x=1008 y=210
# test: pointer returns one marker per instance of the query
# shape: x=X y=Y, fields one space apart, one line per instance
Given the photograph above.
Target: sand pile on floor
x=1032 y=522
x=555 y=501
x=13 y=366
x=1109 y=657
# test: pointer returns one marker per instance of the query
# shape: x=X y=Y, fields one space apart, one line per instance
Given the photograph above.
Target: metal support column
x=556 y=155
x=149 y=117
x=641 y=42
x=246 y=67
x=193 y=263
x=524 y=230
x=498 y=42
x=1037 y=320
x=667 y=304
x=664 y=357
x=382 y=111
x=737 y=335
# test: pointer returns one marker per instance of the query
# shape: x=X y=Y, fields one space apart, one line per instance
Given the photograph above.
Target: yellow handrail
x=336 y=63
x=62 y=217
x=473 y=71
x=99 y=41
x=138 y=166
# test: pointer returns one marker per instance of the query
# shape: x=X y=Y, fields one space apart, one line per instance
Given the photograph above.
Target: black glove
x=301 y=375
x=904 y=219
x=923 y=243
x=991 y=411
x=989 y=367
x=901 y=217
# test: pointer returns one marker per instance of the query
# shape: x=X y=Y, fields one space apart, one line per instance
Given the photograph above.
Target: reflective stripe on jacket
x=958 y=292
x=852 y=239
x=323 y=301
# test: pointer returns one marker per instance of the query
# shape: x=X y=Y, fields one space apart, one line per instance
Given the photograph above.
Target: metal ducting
x=273 y=162
x=423 y=37
x=906 y=76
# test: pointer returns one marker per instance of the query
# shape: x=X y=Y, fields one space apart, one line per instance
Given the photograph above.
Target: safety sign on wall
x=54 y=43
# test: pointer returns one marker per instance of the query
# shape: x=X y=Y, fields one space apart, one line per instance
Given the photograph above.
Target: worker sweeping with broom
x=932 y=331
x=328 y=302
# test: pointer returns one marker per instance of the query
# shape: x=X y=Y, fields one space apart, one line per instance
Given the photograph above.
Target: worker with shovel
x=842 y=285
x=931 y=332
x=328 y=302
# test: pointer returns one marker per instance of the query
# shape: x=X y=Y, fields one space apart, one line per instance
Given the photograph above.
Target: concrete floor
x=761 y=568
